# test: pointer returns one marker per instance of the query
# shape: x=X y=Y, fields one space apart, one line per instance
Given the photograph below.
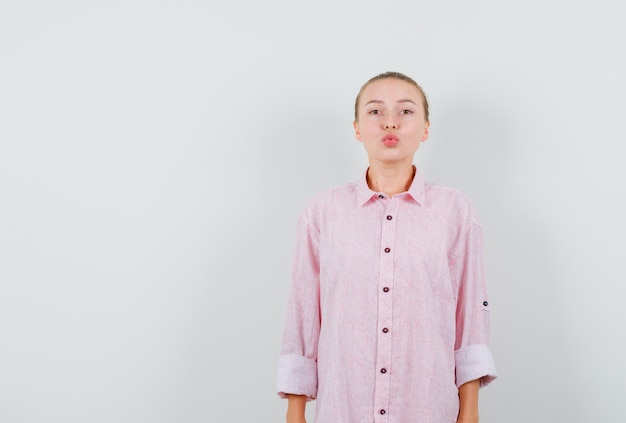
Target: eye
x=374 y=112
x=406 y=112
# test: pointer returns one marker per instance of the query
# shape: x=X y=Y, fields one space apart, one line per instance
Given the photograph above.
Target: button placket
x=385 y=309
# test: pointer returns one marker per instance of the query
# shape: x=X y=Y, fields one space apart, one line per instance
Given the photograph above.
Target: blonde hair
x=392 y=75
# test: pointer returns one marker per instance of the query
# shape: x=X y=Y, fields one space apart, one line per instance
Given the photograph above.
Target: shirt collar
x=415 y=191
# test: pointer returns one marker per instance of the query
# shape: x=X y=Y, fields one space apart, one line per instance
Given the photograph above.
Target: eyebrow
x=404 y=100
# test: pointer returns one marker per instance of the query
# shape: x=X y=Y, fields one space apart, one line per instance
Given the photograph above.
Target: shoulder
x=450 y=202
x=329 y=200
x=443 y=194
x=341 y=192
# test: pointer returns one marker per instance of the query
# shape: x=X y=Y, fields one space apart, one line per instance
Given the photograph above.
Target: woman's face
x=391 y=123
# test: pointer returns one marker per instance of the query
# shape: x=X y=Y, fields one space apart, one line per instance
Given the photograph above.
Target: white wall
x=154 y=157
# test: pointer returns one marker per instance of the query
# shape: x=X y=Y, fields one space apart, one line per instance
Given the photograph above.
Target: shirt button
x=485 y=303
x=382 y=411
x=389 y=217
x=381 y=196
x=383 y=370
x=387 y=249
x=385 y=289
x=385 y=330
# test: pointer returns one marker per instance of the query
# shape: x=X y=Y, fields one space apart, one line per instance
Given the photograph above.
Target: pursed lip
x=390 y=140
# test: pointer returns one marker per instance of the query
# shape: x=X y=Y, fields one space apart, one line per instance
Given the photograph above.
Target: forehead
x=391 y=90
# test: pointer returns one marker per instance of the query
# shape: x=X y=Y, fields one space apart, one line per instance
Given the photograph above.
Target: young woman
x=388 y=317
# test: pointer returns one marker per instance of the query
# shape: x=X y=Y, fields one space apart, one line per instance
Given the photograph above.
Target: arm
x=473 y=359
x=468 y=402
x=297 y=364
x=295 y=408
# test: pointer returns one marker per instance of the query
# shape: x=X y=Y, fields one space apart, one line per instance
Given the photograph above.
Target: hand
x=466 y=419
x=295 y=408
x=468 y=402
x=295 y=418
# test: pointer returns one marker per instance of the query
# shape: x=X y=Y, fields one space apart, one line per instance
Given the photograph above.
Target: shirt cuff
x=474 y=362
x=297 y=375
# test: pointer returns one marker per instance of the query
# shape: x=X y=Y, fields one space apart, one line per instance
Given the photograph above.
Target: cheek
x=414 y=126
x=368 y=128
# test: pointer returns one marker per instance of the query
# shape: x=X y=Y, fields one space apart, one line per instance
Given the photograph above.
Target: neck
x=390 y=180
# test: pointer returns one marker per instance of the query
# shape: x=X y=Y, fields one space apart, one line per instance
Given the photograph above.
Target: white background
x=155 y=155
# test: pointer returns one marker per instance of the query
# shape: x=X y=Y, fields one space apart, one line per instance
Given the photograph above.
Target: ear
x=426 y=132
x=357 y=133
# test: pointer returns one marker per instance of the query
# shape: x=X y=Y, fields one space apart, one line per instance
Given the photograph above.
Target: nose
x=390 y=124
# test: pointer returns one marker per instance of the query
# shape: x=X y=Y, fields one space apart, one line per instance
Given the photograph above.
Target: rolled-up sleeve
x=297 y=366
x=473 y=359
x=297 y=375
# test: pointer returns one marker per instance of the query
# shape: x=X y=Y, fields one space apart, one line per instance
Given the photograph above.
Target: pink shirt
x=388 y=311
